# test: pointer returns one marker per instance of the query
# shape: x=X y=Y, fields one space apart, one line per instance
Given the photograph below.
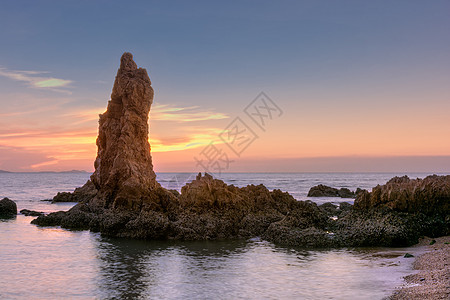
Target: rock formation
x=123 y=168
x=398 y=213
x=326 y=191
x=8 y=208
x=130 y=203
x=430 y=196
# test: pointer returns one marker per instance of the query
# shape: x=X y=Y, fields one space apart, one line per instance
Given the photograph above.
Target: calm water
x=43 y=263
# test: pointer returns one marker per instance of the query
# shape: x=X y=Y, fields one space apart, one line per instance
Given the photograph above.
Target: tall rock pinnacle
x=123 y=168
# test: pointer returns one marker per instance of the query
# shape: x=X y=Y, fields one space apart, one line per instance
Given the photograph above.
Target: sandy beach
x=433 y=278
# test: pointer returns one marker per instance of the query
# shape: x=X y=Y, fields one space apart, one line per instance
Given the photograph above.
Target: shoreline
x=432 y=277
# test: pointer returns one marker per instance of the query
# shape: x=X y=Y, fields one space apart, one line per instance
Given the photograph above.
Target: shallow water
x=43 y=263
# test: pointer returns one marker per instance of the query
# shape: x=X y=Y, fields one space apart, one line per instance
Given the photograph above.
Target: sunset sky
x=360 y=85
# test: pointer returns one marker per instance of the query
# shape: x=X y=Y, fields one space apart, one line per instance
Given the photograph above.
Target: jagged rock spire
x=124 y=172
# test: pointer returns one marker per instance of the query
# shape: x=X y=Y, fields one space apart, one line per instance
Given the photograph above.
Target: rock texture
x=430 y=196
x=398 y=213
x=84 y=193
x=123 y=168
x=8 y=208
x=326 y=191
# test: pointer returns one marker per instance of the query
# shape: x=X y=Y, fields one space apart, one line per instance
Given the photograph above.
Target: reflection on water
x=244 y=270
x=56 y=263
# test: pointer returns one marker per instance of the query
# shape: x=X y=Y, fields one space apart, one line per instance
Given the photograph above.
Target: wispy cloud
x=36 y=79
x=184 y=114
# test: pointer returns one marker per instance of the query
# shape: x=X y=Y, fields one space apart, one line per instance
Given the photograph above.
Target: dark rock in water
x=326 y=191
x=52 y=219
x=8 y=208
x=81 y=194
x=407 y=255
x=32 y=213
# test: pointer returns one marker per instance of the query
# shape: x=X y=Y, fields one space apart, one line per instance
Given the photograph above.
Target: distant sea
x=50 y=262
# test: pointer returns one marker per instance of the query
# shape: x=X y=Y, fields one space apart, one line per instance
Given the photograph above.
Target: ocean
x=50 y=262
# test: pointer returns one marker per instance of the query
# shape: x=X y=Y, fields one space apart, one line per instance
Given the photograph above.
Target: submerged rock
x=8 y=208
x=33 y=213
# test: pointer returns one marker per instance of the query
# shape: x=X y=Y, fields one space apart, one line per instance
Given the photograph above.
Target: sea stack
x=124 y=173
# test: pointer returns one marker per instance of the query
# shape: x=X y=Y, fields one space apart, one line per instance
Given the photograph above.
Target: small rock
x=422 y=279
x=32 y=213
x=8 y=208
x=407 y=255
x=432 y=242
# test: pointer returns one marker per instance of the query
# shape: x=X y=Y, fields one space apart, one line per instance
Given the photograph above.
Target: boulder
x=8 y=208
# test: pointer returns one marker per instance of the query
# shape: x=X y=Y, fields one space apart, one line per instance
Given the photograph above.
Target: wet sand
x=432 y=281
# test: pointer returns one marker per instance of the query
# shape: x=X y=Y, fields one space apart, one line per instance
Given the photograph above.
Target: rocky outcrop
x=123 y=168
x=81 y=194
x=128 y=201
x=326 y=191
x=429 y=196
x=8 y=208
x=398 y=213
x=207 y=208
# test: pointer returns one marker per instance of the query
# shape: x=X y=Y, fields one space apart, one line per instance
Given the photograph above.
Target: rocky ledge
x=127 y=201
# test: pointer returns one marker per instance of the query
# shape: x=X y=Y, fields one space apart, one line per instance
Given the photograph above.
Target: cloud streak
x=35 y=79
x=183 y=114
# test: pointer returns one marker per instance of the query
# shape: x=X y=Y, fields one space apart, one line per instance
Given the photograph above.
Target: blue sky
x=318 y=59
